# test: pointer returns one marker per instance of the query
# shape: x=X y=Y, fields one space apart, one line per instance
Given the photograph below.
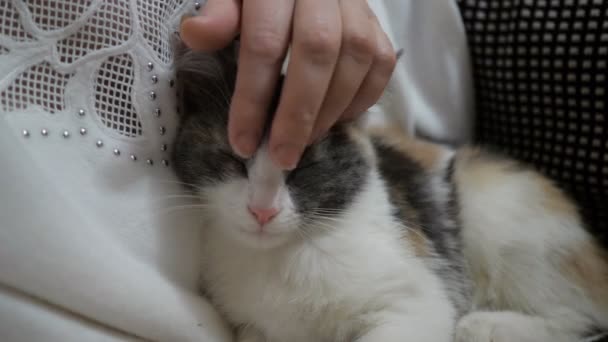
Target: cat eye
x=301 y=167
x=308 y=165
x=238 y=161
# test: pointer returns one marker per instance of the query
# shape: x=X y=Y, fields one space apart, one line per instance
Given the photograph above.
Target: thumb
x=214 y=28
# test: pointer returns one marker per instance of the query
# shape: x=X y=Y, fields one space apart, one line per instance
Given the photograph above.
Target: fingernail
x=185 y=17
x=287 y=156
x=245 y=145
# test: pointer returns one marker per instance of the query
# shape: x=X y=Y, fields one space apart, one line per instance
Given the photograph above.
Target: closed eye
x=308 y=165
x=237 y=161
x=300 y=168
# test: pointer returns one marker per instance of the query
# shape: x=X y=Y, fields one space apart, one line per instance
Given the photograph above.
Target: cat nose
x=263 y=215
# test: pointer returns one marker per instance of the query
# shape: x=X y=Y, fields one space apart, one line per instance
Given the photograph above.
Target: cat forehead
x=263 y=169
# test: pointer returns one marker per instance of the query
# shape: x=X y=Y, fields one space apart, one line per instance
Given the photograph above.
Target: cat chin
x=260 y=240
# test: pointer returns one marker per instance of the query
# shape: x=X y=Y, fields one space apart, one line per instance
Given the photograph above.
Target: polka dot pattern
x=541 y=83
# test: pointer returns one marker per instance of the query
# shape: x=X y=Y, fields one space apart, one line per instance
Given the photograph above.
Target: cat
x=375 y=236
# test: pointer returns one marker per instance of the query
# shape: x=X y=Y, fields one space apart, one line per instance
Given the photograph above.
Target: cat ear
x=205 y=80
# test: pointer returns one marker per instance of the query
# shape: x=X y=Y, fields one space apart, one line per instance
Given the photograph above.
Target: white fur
x=514 y=245
x=358 y=278
x=267 y=188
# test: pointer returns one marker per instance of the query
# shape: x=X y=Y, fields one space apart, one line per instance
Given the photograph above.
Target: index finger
x=316 y=45
x=265 y=32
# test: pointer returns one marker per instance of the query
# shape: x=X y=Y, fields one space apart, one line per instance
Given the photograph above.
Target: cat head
x=251 y=200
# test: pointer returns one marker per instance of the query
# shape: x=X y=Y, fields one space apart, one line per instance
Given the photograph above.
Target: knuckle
x=265 y=43
x=359 y=45
x=386 y=60
x=304 y=118
x=320 y=44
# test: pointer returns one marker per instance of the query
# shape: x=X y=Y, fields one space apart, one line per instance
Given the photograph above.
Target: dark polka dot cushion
x=541 y=82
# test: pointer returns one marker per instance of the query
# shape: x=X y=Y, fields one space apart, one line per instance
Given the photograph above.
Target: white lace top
x=94 y=244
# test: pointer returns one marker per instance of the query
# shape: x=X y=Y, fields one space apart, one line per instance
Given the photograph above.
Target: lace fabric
x=87 y=116
x=116 y=45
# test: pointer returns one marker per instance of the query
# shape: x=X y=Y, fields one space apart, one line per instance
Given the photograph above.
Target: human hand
x=340 y=63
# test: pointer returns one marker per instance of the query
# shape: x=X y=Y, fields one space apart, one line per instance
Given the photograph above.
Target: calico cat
x=375 y=237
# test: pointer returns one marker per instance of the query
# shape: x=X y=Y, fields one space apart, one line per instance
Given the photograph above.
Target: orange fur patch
x=418 y=241
x=587 y=265
x=428 y=155
x=478 y=168
x=555 y=200
x=360 y=137
x=415 y=237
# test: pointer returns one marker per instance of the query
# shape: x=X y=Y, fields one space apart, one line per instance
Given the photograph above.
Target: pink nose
x=263 y=215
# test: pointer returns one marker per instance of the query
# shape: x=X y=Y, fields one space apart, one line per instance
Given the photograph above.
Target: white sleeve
x=93 y=245
x=431 y=92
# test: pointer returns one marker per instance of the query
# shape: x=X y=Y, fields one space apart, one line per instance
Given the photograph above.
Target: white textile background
x=89 y=250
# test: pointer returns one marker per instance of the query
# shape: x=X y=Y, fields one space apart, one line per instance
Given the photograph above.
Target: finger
x=377 y=78
x=214 y=28
x=356 y=57
x=316 y=46
x=266 y=26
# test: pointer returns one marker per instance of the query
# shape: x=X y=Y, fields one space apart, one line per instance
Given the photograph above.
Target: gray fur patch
x=329 y=176
x=416 y=202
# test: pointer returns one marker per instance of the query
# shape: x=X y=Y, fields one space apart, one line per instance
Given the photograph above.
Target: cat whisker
x=306 y=235
x=328 y=209
x=185 y=207
x=168 y=181
x=177 y=196
x=327 y=219
x=186 y=187
x=319 y=225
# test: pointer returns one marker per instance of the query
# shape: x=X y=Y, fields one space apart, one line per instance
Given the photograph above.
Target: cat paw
x=505 y=327
x=485 y=327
